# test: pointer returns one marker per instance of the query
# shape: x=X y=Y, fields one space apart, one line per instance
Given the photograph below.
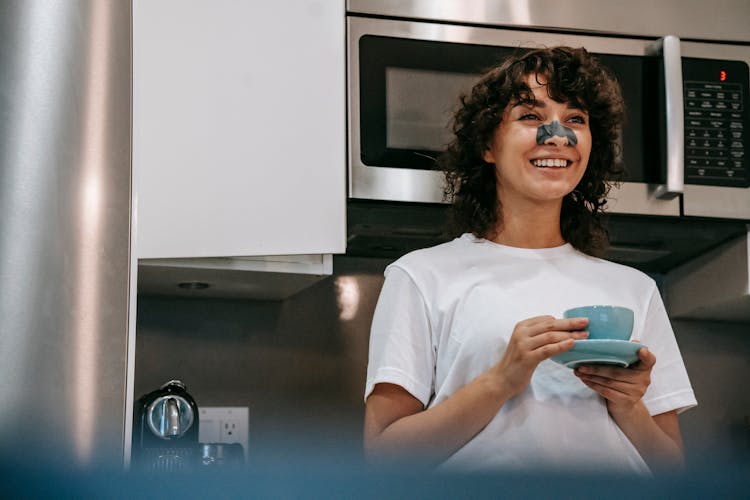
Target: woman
x=459 y=370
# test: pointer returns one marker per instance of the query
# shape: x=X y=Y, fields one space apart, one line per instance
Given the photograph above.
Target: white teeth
x=550 y=162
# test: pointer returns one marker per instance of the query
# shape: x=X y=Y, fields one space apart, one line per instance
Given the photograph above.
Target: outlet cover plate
x=225 y=424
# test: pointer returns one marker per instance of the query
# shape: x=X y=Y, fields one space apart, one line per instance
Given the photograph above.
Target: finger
x=647 y=359
x=551 y=324
x=609 y=372
x=538 y=341
x=546 y=351
x=536 y=320
x=622 y=386
x=606 y=392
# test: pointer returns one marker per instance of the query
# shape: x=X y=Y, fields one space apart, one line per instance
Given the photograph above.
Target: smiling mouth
x=551 y=163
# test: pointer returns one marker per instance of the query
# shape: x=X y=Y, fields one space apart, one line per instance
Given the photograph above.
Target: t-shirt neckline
x=539 y=253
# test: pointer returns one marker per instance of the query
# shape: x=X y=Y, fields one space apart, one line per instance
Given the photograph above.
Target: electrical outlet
x=225 y=424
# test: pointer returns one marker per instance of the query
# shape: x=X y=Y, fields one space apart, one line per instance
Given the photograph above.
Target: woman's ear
x=488 y=155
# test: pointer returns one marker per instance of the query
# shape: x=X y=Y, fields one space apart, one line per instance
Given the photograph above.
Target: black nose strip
x=549 y=130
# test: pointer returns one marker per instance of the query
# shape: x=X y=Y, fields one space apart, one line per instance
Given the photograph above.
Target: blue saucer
x=600 y=351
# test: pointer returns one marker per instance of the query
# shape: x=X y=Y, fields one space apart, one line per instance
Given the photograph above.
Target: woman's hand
x=623 y=388
x=657 y=438
x=534 y=340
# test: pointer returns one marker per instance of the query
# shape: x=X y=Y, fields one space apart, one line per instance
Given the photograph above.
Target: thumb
x=647 y=358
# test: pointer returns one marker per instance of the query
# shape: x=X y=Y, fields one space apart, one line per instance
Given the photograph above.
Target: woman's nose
x=557 y=140
x=554 y=133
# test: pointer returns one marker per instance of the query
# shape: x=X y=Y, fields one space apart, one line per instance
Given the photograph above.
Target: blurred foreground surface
x=346 y=477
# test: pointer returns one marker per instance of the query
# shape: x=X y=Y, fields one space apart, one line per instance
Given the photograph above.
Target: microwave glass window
x=420 y=105
x=408 y=91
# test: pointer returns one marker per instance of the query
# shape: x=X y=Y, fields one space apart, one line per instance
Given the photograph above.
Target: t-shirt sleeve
x=670 y=387
x=400 y=341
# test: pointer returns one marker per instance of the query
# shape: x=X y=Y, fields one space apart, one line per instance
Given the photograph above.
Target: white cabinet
x=239 y=127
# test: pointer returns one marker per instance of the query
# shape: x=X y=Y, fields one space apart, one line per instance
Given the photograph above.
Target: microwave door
x=384 y=52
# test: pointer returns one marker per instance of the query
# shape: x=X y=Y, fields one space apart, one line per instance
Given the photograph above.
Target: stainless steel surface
x=221 y=454
x=639 y=198
x=65 y=218
x=716 y=286
x=669 y=46
x=697 y=19
x=713 y=201
x=398 y=184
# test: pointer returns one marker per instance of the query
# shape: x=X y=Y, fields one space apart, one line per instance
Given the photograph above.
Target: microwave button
x=707 y=105
x=736 y=134
x=735 y=125
x=738 y=153
x=736 y=105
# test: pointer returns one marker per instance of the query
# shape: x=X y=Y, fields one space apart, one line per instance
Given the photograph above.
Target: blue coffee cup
x=605 y=322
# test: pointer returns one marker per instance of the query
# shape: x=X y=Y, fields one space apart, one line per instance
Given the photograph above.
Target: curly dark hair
x=573 y=75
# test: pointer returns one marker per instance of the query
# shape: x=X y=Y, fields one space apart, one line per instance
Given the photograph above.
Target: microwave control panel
x=716 y=122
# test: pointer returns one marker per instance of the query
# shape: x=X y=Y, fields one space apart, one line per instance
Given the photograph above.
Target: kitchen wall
x=300 y=364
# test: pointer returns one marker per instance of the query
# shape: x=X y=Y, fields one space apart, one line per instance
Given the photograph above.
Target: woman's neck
x=533 y=226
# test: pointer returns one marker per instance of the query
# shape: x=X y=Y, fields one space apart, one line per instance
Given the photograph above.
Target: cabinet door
x=239 y=127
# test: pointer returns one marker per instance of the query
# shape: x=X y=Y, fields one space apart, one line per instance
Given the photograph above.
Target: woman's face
x=540 y=149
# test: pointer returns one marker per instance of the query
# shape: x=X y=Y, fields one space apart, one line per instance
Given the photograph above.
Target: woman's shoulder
x=621 y=272
x=433 y=258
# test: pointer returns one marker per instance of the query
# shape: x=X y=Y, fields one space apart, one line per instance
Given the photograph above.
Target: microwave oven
x=685 y=141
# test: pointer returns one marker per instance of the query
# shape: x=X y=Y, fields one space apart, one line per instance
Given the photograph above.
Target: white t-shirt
x=446 y=313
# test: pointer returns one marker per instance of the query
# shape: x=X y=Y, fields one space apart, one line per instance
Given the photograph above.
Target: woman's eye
x=578 y=119
x=529 y=116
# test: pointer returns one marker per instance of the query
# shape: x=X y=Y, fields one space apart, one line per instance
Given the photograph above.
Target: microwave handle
x=669 y=49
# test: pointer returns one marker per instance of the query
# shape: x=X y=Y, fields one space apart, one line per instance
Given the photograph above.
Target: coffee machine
x=165 y=429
